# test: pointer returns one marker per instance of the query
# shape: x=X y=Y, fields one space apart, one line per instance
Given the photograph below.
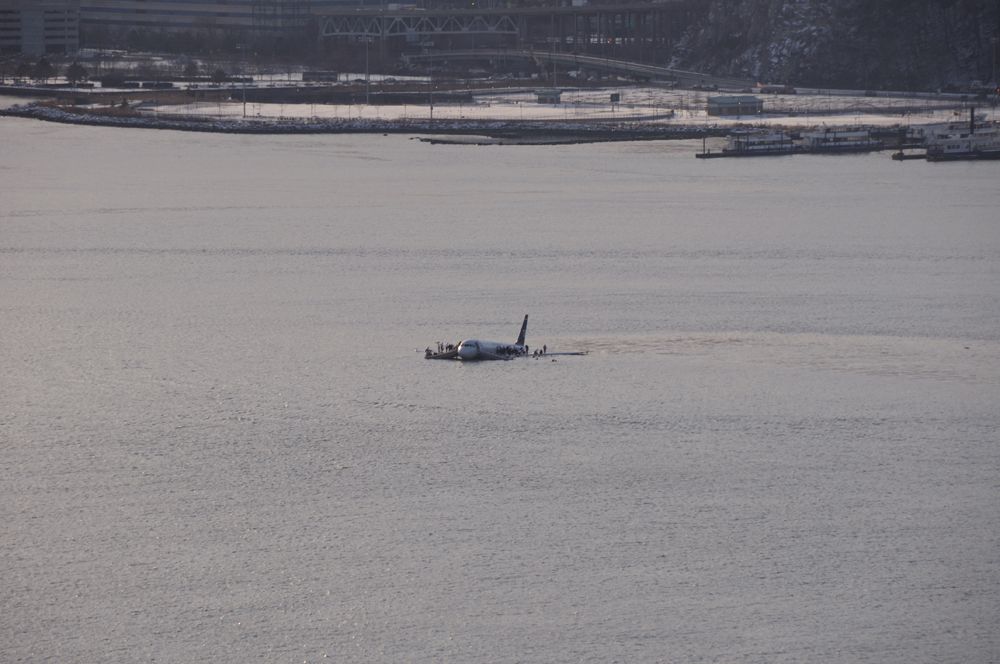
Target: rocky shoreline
x=534 y=132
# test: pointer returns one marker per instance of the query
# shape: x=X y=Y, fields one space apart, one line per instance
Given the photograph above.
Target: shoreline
x=509 y=118
x=438 y=131
x=499 y=132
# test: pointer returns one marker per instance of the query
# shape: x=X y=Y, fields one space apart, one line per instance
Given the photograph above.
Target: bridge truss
x=643 y=32
x=608 y=26
x=384 y=25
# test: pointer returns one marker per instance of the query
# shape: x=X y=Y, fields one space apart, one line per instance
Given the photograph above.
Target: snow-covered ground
x=657 y=105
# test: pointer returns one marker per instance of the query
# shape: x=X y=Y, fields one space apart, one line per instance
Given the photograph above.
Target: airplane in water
x=474 y=350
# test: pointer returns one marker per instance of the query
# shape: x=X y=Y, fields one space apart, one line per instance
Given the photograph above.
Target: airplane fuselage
x=476 y=349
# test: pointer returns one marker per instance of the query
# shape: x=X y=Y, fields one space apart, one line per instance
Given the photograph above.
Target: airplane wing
x=444 y=355
x=497 y=357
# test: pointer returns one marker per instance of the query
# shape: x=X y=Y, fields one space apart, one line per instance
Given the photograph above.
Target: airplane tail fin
x=524 y=330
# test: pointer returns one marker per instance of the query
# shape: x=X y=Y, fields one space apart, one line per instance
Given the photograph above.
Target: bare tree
x=76 y=73
x=23 y=71
x=43 y=70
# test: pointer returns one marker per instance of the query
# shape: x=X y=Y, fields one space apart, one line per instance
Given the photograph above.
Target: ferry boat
x=754 y=144
x=843 y=139
x=930 y=132
x=977 y=141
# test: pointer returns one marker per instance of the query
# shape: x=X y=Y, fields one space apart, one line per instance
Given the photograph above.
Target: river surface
x=221 y=442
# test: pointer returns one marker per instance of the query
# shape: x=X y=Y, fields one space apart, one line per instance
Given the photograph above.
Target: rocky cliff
x=890 y=44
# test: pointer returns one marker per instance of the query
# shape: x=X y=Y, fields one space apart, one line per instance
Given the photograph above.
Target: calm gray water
x=220 y=441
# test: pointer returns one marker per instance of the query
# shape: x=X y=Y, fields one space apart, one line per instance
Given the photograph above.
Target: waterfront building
x=39 y=27
x=549 y=96
x=735 y=105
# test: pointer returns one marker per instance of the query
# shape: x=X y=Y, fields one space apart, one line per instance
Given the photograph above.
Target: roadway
x=591 y=62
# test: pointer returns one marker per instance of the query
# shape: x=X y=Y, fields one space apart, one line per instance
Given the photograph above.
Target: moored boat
x=973 y=140
x=755 y=144
x=842 y=139
x=977 y=142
